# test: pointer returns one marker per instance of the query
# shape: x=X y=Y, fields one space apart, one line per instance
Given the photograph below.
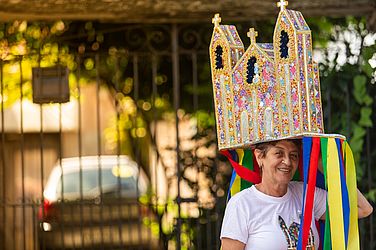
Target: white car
x=94 y=202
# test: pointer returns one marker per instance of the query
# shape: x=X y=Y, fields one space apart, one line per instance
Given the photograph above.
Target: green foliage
x=205 y=120
x=359 y=88
x=365 y=117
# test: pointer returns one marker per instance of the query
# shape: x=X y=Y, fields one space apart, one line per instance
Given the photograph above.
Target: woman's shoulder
x=296 y=184
x=296 y=188
x=243 y=202
x=243 y=195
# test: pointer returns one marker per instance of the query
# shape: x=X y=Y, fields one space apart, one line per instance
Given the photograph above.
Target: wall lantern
x=50 y=84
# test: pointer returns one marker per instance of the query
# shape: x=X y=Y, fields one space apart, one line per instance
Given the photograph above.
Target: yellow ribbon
x=240 y=153
x=353 y=243
x=236 y=185
x=235 y=188
x=334 y=197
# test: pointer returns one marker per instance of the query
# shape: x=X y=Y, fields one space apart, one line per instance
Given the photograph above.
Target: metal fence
x=117 y=110
x=143 y=96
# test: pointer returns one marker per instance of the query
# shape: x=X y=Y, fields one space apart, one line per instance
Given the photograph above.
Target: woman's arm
x=364 y=207
x=230 y=244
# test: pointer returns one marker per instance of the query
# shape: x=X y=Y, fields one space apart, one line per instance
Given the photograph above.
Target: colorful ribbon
x=242 y=171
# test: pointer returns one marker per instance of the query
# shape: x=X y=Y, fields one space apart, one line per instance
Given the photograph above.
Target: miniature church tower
x=270 y=91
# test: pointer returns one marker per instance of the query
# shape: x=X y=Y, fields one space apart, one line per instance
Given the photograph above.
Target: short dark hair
x=265 y=146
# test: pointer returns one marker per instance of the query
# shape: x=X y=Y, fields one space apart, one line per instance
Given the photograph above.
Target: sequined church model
x=271 y=90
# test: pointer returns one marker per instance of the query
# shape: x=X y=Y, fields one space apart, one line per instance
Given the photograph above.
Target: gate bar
x=176 y=89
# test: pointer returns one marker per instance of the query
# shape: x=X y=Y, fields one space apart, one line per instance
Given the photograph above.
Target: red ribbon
x=310 y=189
x=243 y=172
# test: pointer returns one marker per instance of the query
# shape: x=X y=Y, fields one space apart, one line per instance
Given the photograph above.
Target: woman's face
x=279 y=163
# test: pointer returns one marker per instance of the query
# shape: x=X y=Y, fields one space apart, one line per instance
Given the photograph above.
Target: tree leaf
x=367 y=100
x=366 y=67
x=365 y=117
x=356 y=145
x=359 y=88
x=367 y=52
x=358 y=132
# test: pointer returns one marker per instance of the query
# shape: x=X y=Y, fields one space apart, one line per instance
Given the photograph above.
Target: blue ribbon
x=345 y=194
x=233 y=176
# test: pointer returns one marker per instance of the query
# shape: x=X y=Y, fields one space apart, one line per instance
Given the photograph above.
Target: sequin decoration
x=266 y=46
x=302 y=82
x=295 y=105
x=319 y=119
x=219 y=114
x=261 y=111
x=234 y=35
x=295 y=91
x=283 y=101
x=244 y=127
x=241 y=100
x=293 y=19
x=225 y=29
x=273 y=95
x=301 y=20
x=309 y=63
x=285 y=20
x=216 y=36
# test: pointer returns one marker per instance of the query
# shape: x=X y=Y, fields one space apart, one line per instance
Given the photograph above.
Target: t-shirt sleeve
x=320 y=202
x=234 y=225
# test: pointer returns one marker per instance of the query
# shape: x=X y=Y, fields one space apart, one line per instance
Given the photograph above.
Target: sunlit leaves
x=4 y=49
x=205 y=120
x=89 y=64
x=146 y=106
x=128 y=85
x=359 y=88
x=58 y=27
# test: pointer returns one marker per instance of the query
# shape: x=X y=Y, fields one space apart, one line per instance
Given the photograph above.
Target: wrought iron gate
x=134 y=97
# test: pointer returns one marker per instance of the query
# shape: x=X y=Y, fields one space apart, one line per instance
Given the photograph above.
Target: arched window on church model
x=251 y=69
x=218 y=57
x=283 y=45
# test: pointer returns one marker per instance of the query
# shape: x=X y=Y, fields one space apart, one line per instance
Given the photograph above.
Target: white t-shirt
x=264 y=222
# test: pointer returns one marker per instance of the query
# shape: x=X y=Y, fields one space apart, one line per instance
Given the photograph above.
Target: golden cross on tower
x=282 y=4
x=252 y=34
x=216 y=19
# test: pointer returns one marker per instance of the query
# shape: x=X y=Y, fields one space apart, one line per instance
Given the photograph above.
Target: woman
x=267 y=215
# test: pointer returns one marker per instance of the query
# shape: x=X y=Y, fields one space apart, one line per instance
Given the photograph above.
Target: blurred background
x=131 y=80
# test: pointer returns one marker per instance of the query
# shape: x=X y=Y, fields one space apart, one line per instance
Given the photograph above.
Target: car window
x=111 y=183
